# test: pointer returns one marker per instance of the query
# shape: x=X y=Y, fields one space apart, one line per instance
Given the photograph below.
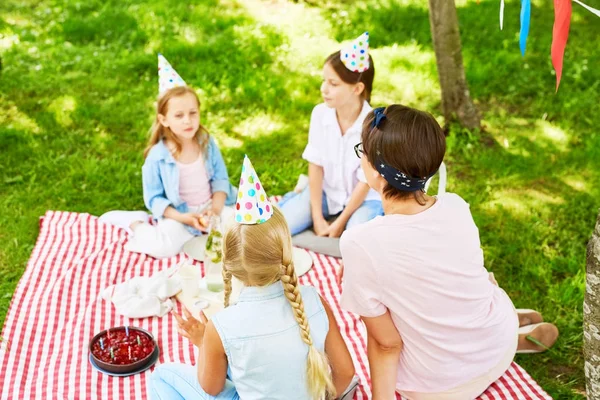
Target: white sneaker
x=302 y=183
x=123 y=219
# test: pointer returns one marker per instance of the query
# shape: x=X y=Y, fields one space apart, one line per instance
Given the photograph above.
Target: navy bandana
x=394 y=177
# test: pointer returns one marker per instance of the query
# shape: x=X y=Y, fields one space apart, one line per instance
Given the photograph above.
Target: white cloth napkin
x=145 y=296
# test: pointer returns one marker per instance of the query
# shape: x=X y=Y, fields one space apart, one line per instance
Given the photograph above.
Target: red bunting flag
x=560 y=35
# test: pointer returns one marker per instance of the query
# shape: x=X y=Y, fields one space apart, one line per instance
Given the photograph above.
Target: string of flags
x=560 y=31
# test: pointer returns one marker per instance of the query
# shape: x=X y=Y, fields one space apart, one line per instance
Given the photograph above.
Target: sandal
x=536 y=338
x=529 y=317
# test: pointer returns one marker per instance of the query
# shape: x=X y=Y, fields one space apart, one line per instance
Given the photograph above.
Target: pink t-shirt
x=427 y=269
x=194 y=186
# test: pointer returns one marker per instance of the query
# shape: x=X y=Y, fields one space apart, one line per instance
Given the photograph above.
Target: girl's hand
x=195 y=220
x=321 y=227
x=209 y=212
x=216 y=211
x=336 y=229
x=191 y=328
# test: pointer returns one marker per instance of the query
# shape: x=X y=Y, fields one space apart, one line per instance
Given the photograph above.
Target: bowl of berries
x=123 y=350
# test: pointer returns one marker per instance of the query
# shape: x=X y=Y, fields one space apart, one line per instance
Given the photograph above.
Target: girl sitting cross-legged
x=184 y=177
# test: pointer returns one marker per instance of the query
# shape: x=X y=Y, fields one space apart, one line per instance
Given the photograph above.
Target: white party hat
x=355 y=56
x=168 y=78
x=253 y=205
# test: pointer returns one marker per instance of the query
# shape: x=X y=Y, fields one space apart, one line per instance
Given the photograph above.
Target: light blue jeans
x=296 y=210
x=180 y=382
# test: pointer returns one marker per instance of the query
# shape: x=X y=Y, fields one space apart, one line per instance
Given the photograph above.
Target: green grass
x=78 y=82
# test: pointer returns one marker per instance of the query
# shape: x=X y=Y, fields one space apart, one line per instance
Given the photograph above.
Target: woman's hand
x=191 y=328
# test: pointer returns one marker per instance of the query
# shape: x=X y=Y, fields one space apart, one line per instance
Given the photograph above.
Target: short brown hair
x=407 y=139
x=351 y=77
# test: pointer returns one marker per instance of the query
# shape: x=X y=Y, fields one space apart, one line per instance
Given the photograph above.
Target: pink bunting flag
x=560 y=35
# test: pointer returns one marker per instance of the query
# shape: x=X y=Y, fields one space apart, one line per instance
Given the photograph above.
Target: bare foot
x=537 y=338
x=135 y=224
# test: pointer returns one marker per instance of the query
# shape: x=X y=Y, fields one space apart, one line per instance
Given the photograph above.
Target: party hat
x=253 y=206
x=168 y=78
x=355 y=56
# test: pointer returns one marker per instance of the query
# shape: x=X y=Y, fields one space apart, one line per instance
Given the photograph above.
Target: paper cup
x=190 y=279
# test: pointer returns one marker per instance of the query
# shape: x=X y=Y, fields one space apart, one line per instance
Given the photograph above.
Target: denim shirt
x=160 y=178
x=265 y=353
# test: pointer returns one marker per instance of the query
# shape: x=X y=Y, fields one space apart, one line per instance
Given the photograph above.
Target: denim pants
x=180 y=382
x=296 y=210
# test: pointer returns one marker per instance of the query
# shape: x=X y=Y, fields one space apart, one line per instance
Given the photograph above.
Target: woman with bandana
x=438 y=325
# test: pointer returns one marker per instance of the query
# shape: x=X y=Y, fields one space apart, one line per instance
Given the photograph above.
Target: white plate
x=194 y=248
x=303 y=262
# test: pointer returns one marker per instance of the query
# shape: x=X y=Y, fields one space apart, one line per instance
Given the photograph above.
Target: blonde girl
x=279 y=341
x=183 y=173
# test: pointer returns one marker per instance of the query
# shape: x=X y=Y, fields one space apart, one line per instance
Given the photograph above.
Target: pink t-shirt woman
x=437 y=327
x=427 y=270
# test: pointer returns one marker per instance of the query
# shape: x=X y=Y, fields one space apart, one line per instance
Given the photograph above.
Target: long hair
x=159 y=132
x=259 y=255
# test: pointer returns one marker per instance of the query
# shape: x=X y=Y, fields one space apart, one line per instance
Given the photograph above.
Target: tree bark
x=456 y=101
x=591 y=316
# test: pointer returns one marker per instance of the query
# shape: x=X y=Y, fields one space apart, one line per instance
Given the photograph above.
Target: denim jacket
x=160 y=178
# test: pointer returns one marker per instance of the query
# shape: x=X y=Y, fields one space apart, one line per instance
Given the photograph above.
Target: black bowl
x=122 y=368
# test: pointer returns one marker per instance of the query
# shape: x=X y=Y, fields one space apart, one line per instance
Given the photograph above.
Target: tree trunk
x=591 y=316
x=456 y=101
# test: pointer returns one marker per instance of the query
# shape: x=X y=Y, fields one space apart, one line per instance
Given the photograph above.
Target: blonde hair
x=259 y=255
x=159 y=132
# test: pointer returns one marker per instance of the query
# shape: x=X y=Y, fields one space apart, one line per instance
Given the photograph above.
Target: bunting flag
x=560 y=31
x=501 y=14
x=525 y=18
x=590 y=9
x=560 y=35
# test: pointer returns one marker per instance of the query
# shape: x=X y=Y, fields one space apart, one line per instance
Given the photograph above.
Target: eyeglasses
x=358 y=150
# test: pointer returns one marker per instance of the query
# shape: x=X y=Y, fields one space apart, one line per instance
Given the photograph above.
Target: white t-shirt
x=427 y=270
x=335 y=153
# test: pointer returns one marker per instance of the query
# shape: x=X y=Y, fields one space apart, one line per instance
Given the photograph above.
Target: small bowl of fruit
x=124 y=349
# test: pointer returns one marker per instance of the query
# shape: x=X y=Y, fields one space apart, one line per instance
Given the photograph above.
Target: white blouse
x=328 y=148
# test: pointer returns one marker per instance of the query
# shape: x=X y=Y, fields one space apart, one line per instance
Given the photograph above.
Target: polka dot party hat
x=253 y=206
x=355 y=56
x=168 y=78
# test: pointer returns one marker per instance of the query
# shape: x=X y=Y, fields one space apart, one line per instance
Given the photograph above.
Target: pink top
x=427 y=269
x=194 y=186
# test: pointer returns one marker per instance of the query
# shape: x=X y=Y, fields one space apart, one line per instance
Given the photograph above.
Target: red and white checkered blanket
x=57 y=309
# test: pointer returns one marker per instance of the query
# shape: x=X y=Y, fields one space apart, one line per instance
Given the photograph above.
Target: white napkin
x=144 y=296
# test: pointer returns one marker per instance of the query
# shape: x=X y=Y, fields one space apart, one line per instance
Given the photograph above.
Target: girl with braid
x=279 y=341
